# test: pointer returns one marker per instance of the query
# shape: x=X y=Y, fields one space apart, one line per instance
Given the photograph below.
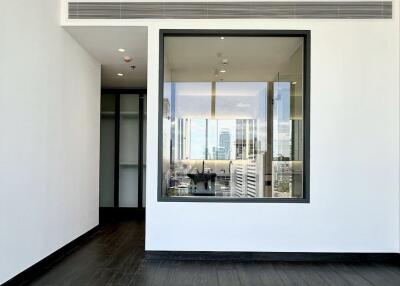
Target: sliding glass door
x=122 y=168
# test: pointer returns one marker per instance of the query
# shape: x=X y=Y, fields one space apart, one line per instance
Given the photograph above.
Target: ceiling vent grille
x=231 y=10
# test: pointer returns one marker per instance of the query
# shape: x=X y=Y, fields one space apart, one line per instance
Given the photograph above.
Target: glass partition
x=123 y=148
x=233 y=117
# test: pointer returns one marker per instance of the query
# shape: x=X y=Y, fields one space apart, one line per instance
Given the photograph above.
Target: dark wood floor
x=115 y=256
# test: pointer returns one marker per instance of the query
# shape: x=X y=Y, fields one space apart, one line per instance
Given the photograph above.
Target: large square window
x=234 y=122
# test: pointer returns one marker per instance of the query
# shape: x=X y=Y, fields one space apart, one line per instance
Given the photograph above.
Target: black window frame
x=306 y=35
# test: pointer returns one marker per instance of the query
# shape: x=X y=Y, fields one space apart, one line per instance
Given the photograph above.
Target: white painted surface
x=103 y=43
x=263 y=59
x=354 y=152
x=49 y=135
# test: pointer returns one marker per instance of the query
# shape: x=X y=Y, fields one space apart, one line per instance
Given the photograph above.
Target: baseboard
x=109 y=214
x=273 y=256
x=40 y=267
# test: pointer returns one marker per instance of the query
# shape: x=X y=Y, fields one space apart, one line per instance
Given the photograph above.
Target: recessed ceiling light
x=222 y=38
x=127 y=59
x=121 y=50
x=223 y=71
x=120 y=74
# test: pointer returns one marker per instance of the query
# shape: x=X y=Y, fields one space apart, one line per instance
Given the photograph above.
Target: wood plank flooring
x=115 y=256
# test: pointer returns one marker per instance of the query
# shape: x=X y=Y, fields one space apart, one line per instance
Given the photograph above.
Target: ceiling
x=188 y=58
x=248 y=58
x=195 y=65
x=103 y=44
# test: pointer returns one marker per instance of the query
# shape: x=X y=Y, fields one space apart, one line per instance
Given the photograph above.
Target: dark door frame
x=306 y=35
x=117 y=93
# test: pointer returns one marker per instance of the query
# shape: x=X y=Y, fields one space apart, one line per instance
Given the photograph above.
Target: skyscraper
x=224 y=144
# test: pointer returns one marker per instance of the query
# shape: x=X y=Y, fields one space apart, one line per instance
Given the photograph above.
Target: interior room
x=199 y=142
x=234 y=117
x=122 y=53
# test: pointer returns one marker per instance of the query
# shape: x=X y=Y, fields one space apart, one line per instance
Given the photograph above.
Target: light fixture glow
x=121 y=50
x=127 y=59
x=295 y=82
x=222 y=38
x=120 y=74
x=222 y=71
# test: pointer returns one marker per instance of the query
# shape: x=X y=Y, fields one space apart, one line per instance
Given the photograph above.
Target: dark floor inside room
x=114 y=255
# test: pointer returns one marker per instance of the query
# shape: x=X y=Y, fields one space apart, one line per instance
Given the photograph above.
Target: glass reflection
x=231 y=137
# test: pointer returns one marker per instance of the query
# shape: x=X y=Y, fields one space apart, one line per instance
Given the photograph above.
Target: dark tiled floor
x=114 y=256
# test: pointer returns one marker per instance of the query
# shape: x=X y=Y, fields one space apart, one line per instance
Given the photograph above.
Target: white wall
x=49 y=135
x=354 y=152
x=354 y=149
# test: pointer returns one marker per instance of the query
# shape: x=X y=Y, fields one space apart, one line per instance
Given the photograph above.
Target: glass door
x=122 y=151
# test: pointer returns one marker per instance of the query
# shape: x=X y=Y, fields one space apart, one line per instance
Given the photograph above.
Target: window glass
x=232 y=123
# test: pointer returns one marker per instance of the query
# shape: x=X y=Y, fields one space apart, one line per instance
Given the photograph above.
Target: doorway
x=122 y=53
x=122 y=153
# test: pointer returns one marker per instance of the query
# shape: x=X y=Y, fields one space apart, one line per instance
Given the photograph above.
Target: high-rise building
x=224 y=149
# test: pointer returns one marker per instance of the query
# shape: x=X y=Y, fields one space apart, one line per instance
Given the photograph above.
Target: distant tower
x=224 y=144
